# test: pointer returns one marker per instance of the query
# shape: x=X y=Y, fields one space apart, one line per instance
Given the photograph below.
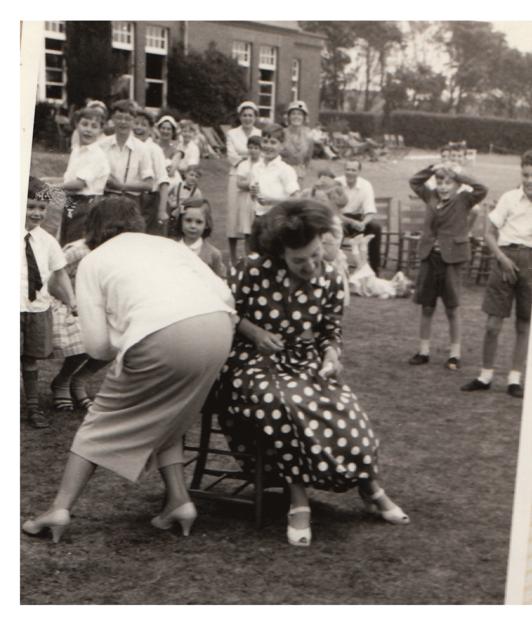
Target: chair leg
x=259 y=481
x=205 y=436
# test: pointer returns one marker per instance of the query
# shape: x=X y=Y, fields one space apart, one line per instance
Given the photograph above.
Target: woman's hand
x=331 y=366
x=268 y=342
x=509 y=269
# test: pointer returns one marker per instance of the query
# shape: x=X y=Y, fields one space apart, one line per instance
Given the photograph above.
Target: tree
x=205 y=86
x=89 y=62
x=339 y=36
x=376 y=39
x=414 y=88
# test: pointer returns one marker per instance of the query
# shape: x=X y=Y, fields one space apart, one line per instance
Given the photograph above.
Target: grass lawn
x=447 y=457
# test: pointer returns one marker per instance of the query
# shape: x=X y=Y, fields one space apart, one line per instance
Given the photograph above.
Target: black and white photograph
x=275 y=299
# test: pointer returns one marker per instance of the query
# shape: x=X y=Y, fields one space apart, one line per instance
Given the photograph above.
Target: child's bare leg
x=522 y=328
x=455 y=330
x=422 y=356
x=491 y=339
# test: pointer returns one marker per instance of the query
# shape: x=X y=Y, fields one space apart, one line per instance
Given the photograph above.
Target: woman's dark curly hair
x=291 y=224
x=110 y=217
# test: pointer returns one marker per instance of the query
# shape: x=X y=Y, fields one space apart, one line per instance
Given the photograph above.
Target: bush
x=44 y=127
x=431 y=130
x=206 y=87
x=367 y=124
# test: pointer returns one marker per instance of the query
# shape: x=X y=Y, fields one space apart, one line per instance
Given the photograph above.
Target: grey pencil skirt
x=139 y=416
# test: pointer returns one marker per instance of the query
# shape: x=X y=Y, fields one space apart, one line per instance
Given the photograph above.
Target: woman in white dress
x=298 y=141
x=237 y=150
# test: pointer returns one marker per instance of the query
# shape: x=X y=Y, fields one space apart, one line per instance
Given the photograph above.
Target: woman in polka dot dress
x=282 y=374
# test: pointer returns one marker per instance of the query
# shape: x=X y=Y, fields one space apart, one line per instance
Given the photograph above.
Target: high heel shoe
x=185 y=515
x=57 y=521
x=298 y=537
x=394 y=515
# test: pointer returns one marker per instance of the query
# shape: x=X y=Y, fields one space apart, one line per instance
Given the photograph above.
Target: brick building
x=280 y=61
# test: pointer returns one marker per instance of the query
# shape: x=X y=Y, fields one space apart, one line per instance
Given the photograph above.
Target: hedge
x=431 y=130
x=366 y=123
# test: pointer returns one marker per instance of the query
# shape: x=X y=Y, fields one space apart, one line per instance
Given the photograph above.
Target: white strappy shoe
x=57 y=521
x=394 y=515
x=298 y=537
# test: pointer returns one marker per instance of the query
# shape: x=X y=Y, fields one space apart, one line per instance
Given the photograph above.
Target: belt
x=515 y=246
x=122 y=193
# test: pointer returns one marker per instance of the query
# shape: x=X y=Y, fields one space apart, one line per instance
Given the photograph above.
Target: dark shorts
x=36 y=334
x=150 y=212
x=438 y=279
x=499 y=295
x=74 y=216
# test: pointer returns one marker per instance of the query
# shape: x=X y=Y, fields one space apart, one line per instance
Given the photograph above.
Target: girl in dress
x=167 y=130
x=245 y=178
x=283 y=374
x=194 y=226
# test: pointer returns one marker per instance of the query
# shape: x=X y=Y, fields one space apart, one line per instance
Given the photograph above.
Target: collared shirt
x=131 y=162
x=237 y=145
x=49 y=257
x=513 y=218
x=120 y=301
x=191 y=155
x=195 y=246
x=277 y=180
x=158 y=163
x=89 y=163
x=360 y=197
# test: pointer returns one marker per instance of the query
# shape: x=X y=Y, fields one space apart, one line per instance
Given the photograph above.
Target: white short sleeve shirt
x=360 y=198
x=130 y=162
x=513 y=218
x=88 y=163
x=49 y=257
x=277 y=180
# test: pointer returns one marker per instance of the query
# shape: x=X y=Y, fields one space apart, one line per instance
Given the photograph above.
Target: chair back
x=383 y=214
x=412 y=216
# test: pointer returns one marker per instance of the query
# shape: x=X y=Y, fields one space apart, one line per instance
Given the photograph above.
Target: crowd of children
x=156 y=164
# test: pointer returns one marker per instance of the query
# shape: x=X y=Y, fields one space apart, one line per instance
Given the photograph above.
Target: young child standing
x=273 y=179
x=194 y=226
x=179 y=196
x=245 y=205
x=42 y=265
x=86 y=174
x=154 y=202
x=443 y=251
x=509 y=237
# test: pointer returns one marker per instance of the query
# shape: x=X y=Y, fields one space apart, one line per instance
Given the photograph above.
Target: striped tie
x=34 y=276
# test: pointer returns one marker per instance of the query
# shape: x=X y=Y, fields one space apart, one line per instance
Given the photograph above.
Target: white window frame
x=55 y=31
x=123 y=35
x=241 y=52
x=294 y=79
x=268 y=61
x=157 y=44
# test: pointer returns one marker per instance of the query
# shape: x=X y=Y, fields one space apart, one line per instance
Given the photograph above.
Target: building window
x=294 y=87
x=267 y=79
x=123 y=60
x=54 y=61
x=242 y=54
x=156 y=69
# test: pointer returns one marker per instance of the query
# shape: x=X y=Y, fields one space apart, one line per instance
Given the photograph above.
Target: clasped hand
x=268 y=342
x=331 y=367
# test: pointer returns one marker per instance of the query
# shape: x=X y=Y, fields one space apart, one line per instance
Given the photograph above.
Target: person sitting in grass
x=509 y=237
x=443 y=250
x=42 y=267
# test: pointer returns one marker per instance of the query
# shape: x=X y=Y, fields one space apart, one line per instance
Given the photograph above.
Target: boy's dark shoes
x=515 y=390
x=476 y=385
x=453 y=364
x=37 y=419
x=419 y=359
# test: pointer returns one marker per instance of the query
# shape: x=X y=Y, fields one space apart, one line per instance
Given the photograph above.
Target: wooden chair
x=390 y=238
x=210 y=451
x=481 y=257
x=411 y=222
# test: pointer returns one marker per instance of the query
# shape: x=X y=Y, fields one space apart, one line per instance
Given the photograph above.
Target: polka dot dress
x=315 y=430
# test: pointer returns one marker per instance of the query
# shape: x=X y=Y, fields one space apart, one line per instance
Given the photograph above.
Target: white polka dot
x=291 y=384
x=305 y=478
x=339 y=406
x=328 y=433
x=278 y=444
x=308 y=432
x=352 y=466
x=313 y=406
x=313 y=424
x=262 y=301
x=286 y=428
x=318 y=292
x=307 y=325
x=264 y=385
x=340 y=468
x=323 y=466
x=237 y=383
x=357 y=406
x=313 y=309
x=300 y=415
x=295 y=471
x=265 y=283
x=297 y=399
x=268 y=397
x=290 y=330
x=371 y=433
x=274 y=313
x=284 y=323
x=254 y=272
x=246 y=290
x=302 y=299
x=352 y=414
x=315 y=448
x=308 y=391
x=362 y=424
x=355 y=450
x=327 y=415
x=246 y=412
x=340 y=294
x=288 y=456
x=286 y=282
x=295 y=444
x=267 y=263
x=296 y=315
x=364 y=475
x=276 y=414
x=277 y=296
x=259 y=413
x=365 y=442
x=340 y=459
x=366 y=459
x=342 y=442
x=341 y=424
x=258 y=314
x=268 y=430
x=354 y=432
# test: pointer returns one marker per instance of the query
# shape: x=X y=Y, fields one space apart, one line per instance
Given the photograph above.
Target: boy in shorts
x=509 y=237
x=443 y=251
x=42 y=263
